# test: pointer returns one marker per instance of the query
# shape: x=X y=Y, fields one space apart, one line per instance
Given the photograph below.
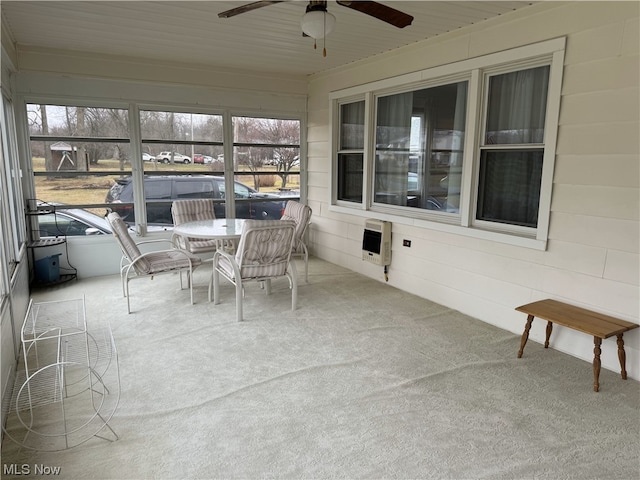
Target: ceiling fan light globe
x=317 y=24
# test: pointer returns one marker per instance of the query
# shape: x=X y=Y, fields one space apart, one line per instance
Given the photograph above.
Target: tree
x=81 y=163
x=282 y=132
x=246 y=130
x=48 y=161
x=117 y=126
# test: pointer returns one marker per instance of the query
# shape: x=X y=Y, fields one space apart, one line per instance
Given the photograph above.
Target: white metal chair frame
x=263 y=253
x=135 y=264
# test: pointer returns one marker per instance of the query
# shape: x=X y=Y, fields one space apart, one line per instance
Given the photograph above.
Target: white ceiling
x=267 y=39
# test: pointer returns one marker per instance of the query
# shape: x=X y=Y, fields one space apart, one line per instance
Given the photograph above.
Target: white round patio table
x=221 y=230
x=218 y=229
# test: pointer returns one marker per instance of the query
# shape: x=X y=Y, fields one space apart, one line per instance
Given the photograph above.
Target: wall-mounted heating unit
x=376 y=242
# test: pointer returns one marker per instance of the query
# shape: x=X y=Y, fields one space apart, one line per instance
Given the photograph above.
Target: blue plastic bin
x=47 y=269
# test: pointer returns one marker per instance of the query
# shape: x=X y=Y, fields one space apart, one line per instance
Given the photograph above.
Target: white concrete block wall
x=592 y=257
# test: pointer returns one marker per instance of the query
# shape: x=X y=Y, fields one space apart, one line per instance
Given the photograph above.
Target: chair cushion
x=191 y=210
x=170 y=260
x=202 y=246
x=265 y=248
x=225 y=265
x=197 y=245
x=300 y=214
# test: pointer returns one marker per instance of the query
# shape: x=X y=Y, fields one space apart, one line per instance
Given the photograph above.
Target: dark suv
x=160 y=191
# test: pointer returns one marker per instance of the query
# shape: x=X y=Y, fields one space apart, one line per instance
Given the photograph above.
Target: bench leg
x=525 y=335
x=549 y=328
x=596 y=363
x=622 y=357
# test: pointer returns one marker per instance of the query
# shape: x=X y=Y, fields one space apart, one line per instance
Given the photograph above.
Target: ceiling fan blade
x=381 y=12
x=247 y=8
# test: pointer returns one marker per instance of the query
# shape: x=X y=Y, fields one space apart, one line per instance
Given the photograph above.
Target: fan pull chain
x=324 y=36
x=324 y=39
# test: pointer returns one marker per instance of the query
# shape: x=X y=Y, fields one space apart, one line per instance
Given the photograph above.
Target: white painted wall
x=13 y=309
x=146 y=72
x=8 y=355
x=592 y=257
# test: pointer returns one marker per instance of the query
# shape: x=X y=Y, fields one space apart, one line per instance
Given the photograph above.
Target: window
x=511 y=154
x=77 y=152
x=12 y=221
x=351 y=152
x=268 y=150
x=157 y=190
x=91 y=158
x=177 y=145
x=469 y=145
x=266 y=165
x=197 y=189
x=240 y=191
x=419 y=148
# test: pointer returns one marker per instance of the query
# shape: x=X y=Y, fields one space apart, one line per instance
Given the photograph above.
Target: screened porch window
x=77 y=153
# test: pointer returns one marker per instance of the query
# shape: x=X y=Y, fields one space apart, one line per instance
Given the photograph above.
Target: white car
x=71 y=222
x=165 y=157
x=146 y=157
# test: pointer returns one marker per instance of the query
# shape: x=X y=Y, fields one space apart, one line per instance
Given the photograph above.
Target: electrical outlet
x=406 y=243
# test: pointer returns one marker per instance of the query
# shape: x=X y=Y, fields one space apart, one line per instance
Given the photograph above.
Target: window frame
x=360 y=151
x=477 y=70
x=551 y=125
x=138 y=175
x=13 y=236
x=136 y=144
x=425 y=214
x=230 y=145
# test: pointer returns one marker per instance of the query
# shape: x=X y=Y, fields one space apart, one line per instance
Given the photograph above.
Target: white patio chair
x=190 y=210
x=135 y=264
x=301 y=214
x=263 y=253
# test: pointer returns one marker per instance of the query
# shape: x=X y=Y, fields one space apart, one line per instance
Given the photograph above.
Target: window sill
x=488 y=235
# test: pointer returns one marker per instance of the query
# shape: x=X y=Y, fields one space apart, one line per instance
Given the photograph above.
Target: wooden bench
x=596 y=324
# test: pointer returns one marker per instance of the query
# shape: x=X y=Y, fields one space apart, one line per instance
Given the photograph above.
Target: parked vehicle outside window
x=166 y=157
x=161 y=191
x=72 y=222
x=87 y=167
x=200 y=158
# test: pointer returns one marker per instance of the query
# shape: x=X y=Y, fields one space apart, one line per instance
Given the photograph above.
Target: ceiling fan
x=318 y=23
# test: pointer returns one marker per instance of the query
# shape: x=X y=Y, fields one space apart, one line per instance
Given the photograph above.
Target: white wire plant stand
x=68 y=388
